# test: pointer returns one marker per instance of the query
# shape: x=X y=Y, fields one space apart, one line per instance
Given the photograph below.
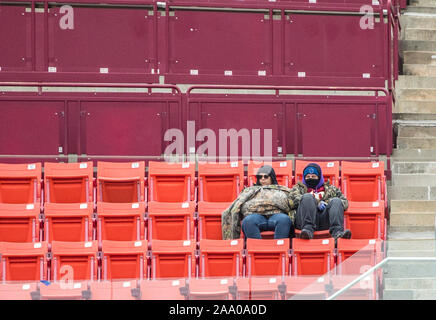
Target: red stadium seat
x=305 y=288
x=312 y=257
x=69 y=222
x=121 y=221
x=267 y=257
x=23 y=261
x=124 y=260
x=221 y=258
x=68 y=182
x=283 y=170
x=162 y=289
x=68 y=290
x=171 y=182
x=74 y=260
x=121 y=181
x=209 y=289
x=18 y=290
x=355 y=256
x=101 y=290
x=259 y=288
x=363 y=290
x=363 y=181
x=20 y=183
x=321 y=234
x=171 y=220
x=20 y=222
x=330 y=170
x=366 y=220
x=125 y=290
x=173 y=259
x=209 y=219
x=220 y=182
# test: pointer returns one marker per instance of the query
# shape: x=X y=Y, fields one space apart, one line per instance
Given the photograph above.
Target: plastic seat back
x=120 y=221
x=18 y=290
x=363 y=181
x=162 y=289
x=69 y=222
x=20 y=183
x=356 y=256
x=283 y=170
x=20 y=222
x=306 y=288
x=209 y=219
x=267 y=257
x=171 y=220
x=221 y=258
x=65 y=290
x=23 y=261
x=74 y=260
x=124 y=260
x=125 y=290
x=173 y=259
x=209 y=289
x=68 y=182
x=171 y=182
x=121 y=181
x=330 y=170
x=312 y=257
x=220 y=182
x=365 y=219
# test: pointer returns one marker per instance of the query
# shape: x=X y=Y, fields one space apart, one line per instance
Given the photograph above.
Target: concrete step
x=414 y=180
x=411 y=244
x=413 y=206
x=409 y=269
x=413 y=106
x=404 y=294
x=415 y=82
x=417 y=45
x=411 y=284
x=419 y=69
x=419 y=57
x=417 y=20
x=421 y=9
x=412 y=253
x=415 y=94
x=416 y=119
x=412 y=167
x=420 y=34
x=412 y=219
x=416 y=143
x=422 y=3
x=411 y=193
x=407 y=131
x=417 y=155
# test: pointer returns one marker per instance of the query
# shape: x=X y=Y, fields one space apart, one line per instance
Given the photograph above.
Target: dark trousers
x=309 y=217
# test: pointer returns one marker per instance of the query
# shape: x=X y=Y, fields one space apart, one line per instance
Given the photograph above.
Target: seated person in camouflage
x=262 y=207
x=320 y=205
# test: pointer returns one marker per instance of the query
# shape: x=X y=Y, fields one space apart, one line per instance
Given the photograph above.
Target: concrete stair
x=412 y=190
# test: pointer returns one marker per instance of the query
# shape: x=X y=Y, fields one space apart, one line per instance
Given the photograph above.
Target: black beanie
x=266 y=170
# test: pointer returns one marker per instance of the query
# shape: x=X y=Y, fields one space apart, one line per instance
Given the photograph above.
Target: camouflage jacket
x=231 y=217
x=330 y=192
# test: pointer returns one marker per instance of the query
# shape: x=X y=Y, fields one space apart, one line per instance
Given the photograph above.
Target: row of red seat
x=173 y=182
x=68 y=261
x=226 y=288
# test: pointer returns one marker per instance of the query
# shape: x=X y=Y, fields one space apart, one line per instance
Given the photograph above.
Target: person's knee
x=307 y=197
x=336 y=202
x=250 y=220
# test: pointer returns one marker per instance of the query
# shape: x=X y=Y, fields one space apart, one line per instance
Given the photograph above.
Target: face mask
x=312 y=183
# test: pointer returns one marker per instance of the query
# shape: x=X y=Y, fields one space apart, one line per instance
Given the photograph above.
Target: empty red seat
x=355 y=256
x=23 y=261
x=171 y=182
x=74 y=260
x=312 y=257
x=20 y=183
x=209 y=219
x=162 y=289
x=121 y=221
x=171 y=220
x=363 y=181
x=259 y=288
x=99 y=290
x=65 y=290
x=18 y=290
x=282 y=169
x=20 y=222
x=330 y=170
x=68 y=222
x=209 y=289
x=218 y=258
x=220 y=182
x=173 y=259
x=306 y=288
x=125 y=290
x=267 y=257
x=68 y=182
x=366 y=220
x=364 y=289
x=121 y=181
x=124 y=260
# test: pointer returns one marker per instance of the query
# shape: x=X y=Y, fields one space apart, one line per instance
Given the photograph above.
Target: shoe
x=346 y=234
x=306 y=234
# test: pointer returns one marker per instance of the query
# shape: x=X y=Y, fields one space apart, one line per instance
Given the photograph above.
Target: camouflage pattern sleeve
x=295 y=195
x=335 y=192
